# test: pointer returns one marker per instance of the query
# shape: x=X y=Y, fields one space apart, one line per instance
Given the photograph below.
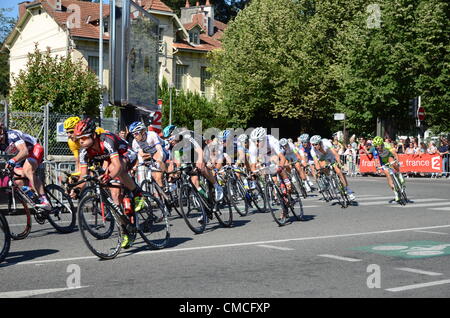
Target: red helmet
x=84 y=127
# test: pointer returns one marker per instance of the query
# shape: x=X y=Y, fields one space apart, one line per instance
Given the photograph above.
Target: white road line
x=440 y=233
x=186 y=249
x=29 y=293
x=441 y=209
x=418 y=271
x=415 y=286
x=347 y=259
x=424 y=205
x=277 y=247
x=387 y=197
x=397 y=205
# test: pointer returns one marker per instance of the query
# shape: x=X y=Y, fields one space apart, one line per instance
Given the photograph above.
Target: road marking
x=397 y=205
x=441 y=233
x=186 y=249
x=29 y=293
x=347 y=259
x=418 y=271
x=277 y=247
x=425 y=205
x=441 y=209
x=373 y=198
x=415 y=286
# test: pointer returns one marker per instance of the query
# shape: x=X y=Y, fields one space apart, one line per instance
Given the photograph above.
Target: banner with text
x=408 y=163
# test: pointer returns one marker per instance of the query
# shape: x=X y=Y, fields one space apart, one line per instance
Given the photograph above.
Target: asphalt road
x=375 y=249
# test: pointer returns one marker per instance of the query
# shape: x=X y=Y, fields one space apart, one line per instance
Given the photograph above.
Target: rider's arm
x=115 y=165
x=23 y=152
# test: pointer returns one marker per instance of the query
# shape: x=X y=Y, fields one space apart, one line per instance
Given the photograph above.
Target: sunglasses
x=315 y=144
x=83 y=138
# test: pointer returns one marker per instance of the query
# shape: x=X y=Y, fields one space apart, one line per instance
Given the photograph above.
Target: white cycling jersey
x=149 y=145
x=290 y=151
x=15 y=138
x=266 y=149
x=326 y=155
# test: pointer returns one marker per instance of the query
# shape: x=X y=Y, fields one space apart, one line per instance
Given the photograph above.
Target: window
x=194 y=37
x=204 y=76
x=93 y=64
x=181 y=76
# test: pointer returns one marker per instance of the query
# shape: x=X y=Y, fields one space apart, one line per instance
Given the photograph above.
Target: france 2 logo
x=436 y=163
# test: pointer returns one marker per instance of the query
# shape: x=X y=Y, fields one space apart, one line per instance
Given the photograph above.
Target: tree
x=6 y=25
x=68 y=85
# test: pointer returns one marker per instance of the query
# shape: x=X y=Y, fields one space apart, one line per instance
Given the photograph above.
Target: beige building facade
x=71 y=28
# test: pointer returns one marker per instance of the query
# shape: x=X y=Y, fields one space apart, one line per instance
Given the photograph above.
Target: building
x=72 y=28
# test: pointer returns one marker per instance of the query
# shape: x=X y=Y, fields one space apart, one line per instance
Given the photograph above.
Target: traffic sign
x=421 y=113
x=339 y=116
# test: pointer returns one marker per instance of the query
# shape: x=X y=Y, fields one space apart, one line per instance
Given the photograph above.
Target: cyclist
x=149 y=145
x=292 y=155
x=28 y=155
x=384 y=153
x=324 y=152
x=183 y=149
x=112 y=149
x=73 y=143
x=307 y=159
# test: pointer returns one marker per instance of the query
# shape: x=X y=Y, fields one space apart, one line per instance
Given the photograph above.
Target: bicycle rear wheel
x=152 y=222
x=298 y=182
x=192 y=209
x=339 y=192
x=296 y=205
x=236 y=194
x=63 y=214
x=276 y=204
x=98 y=227
x=5 y=238
x=18 y=216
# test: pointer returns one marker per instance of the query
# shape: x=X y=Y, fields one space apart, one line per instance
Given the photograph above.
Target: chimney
x=55 y=4
x=22 y=8
x=187 y=5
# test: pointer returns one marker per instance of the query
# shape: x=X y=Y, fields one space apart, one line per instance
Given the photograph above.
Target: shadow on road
x=24 y=256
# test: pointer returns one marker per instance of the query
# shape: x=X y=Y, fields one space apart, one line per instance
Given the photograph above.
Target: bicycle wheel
x=192 y=209
x=338 y=190
x=147 y=186
x=258 y=196
x=99 y=228
x=295 y=205
x=236 y=194
x=276 y=204
x=168 y=199
x=223 y=210
x=298 y=182
x=398 y=189
x=18 y=216
x=5 y=238
x=152 y=222
x=62 y=215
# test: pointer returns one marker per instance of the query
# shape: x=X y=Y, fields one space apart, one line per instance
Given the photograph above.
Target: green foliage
x=188 y=106
x=6 y=25
x=307 y=59
x=68 y=85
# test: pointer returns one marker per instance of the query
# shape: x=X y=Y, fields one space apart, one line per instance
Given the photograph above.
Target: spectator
x=432 y=150
x=444 y=151
x=350 y=158
x=423 y=148
x=361 y=145
x=123 y=134
x=401 y=146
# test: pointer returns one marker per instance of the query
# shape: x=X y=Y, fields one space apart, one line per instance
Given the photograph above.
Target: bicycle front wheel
x=5 y=238
x=192 y=209
x=152 y=223
x=98 y=227
x=276 y=204
x=296 y=205
x=62 y=216
x=18 y=216
x=223 y=210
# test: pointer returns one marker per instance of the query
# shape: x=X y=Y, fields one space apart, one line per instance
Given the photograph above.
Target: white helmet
x=258 y=134
x=283 y=142
x=315 y=139
x=304 y=138
x=242 y=138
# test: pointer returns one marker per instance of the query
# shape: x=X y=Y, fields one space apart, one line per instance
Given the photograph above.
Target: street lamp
x=171 y=86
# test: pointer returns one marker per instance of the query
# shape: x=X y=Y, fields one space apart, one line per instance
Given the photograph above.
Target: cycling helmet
x=70 y=123
x=224 y=135
x=377 y=141
x=84 y=127
x=315 y=139
x=304 y=138
x=258 y=134
x=242 y=138
x=283 y=142
x=136 y=126
x=168 y=130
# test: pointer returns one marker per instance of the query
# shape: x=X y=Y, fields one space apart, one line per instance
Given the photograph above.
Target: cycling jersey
x=270 y=147
x=149 y=145
x=326 y=155
x=111 y=146
x=306 y=152
x=15 y=138
x=290 y=151
x=383 y=154
x=184 y=150
x=74 y=145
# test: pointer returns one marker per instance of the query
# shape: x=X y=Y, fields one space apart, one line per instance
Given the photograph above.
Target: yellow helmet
x=70 y=123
